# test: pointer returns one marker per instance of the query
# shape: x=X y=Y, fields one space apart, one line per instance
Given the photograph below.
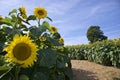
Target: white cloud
x=61 y=7
x=94 y=10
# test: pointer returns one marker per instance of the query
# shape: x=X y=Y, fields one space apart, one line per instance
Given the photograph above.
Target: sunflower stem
x=15 y=25
x=39 y=23
x=17 y=72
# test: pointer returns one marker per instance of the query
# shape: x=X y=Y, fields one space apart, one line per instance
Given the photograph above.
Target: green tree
x=95 y=34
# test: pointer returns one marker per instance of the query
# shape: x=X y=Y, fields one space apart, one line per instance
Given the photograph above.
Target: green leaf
x=35 y=31
x=7 y=21
x=46 y=24
x=69 y=74
x=52 y=41
x=23 y=20
x=60 y=64
x=43 y=28
x=49 y=18
x=3 y=22
x=48 y=57
x=7 y=30
x=31 y=17
x=4 y=70
x=4 y=67
x=40 y=76
x=23 y=27
x=24 y=77
x=1 y=46
x=13 y=11
x=1 y=60
x=59 y=76
x=56 y=35
x=13 y=18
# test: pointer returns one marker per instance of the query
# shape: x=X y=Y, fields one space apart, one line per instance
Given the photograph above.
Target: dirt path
x=85 y=70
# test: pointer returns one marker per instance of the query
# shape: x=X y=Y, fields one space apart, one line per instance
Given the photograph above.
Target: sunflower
x=40 y=13
x=53 y=29
x=61 y=40
x=23 y=12
x=22 y=51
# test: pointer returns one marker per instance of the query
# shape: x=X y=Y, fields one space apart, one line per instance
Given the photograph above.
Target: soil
x=85 y=70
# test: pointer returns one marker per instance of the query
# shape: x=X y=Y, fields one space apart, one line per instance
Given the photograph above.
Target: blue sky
x=74 y=17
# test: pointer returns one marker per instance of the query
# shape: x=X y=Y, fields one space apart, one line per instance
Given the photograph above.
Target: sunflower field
x=106 y=52
x=32 y=49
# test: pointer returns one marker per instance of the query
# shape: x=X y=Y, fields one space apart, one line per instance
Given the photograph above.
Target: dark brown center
x=40 y=12
x=22 y=51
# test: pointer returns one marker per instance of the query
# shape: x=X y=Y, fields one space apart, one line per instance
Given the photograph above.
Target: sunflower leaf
x=68 y=73
x=7 y=21
x=31 y=17
x=46 y=24
x=1 y=45
x=49 y=18
x=36 y=32
x=40 y=76
x=24 y=77
x=13 y=11
x=48 y=58
x=4 y=70
x=24 y=27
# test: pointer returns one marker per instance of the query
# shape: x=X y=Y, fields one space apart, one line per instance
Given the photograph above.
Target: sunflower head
x=22 y=51
x=40 y=13
x=53 y=29
x=23 y=12
x=61 y=40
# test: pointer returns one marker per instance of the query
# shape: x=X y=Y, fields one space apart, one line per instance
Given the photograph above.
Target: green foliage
x=24 y=77
x=95 y=34
x=31 y=17
x=52 y=62
x=106 y=52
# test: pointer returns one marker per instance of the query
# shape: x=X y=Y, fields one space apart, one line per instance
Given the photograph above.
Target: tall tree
x=95 y=34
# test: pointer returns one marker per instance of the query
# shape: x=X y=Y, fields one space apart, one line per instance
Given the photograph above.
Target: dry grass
x=85 y=70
